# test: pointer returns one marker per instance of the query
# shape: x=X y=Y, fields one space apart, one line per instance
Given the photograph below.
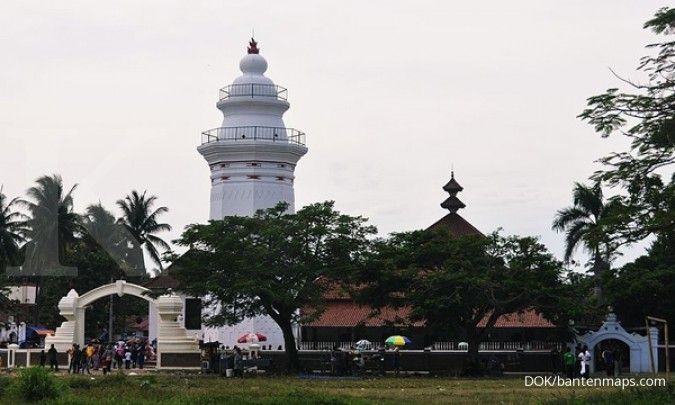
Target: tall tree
x=12 y=236
x=644 y=286
x=141 y=221
x=273 y=263
x=645 y=113
x=464 y=284
x=12 y=231
x=53 y=226
x=587 y=223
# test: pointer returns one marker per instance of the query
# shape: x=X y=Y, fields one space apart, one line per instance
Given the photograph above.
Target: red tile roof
x=526 y=319
x=348 y=314
x=456 y=225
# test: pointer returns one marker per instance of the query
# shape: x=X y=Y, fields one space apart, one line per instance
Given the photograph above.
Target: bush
x=79 y=382
x=35 y=384
x=4 y=383
x=118 y=378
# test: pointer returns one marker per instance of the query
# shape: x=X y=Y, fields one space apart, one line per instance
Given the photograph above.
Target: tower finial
x=253 y=46
x=452 y=203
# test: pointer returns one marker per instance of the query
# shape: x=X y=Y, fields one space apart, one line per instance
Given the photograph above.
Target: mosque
x=252 y=158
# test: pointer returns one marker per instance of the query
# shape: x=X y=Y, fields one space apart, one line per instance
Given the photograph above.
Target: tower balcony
x=254 y=133
x=253 y=90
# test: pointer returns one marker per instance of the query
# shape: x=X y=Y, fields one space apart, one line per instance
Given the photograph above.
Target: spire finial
x=253 y=46
x=452 y=203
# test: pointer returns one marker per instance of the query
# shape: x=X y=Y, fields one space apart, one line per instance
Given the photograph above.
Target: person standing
x=140 y=357
x=585 y=360
x=51 y=355
x=397 y=360
x=134 y=355
x=608 y=358
x=238 y=363
x=43 y=358
x=127 y=359
x=569 y=361
x=107 y=360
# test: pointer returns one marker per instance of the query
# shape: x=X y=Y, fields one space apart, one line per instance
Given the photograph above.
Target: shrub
x=35 y=384
x=4 y=383
x=79 y=382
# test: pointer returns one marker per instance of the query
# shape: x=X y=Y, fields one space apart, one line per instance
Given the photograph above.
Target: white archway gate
x=640 y=361
x=172 y=337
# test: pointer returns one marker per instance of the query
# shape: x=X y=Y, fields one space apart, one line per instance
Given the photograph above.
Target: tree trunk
x=290 y=346
x=598 y=269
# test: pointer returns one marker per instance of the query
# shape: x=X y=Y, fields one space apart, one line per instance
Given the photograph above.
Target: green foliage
x=644 y=286
x=12 y=231
x=35 y=384
x=5 y=383
x=141 y=221
x=645 y=114
x=79 y=382
x=272 y=263
x=454 y=283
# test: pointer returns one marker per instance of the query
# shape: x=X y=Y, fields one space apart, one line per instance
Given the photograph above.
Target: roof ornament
x=253 y=47
x=452 y=203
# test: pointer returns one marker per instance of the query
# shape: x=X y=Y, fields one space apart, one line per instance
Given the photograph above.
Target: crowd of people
x=577 y=364
x=98 y=356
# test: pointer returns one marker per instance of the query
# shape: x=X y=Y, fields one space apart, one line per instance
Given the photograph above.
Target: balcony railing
x=254 y=90
x=254 y=133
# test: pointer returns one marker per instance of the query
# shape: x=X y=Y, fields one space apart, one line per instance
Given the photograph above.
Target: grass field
x=197 y=389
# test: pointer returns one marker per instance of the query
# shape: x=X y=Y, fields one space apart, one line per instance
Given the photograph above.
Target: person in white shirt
x=127 y=359
x=585 y=361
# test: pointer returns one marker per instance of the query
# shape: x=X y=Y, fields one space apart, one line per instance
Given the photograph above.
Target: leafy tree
x=142 y=222
x=107 y=253
x=53 y=226
x=586 y=223
x=646 y=115
x=12 y=231
x=455 y=283
x=273 y=263
x=644 y=286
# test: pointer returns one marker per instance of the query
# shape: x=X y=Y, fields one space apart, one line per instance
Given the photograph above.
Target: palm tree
x=584 y=225
x=12 y=231
x=53 y=224
x=53 y=227
x=141 y=222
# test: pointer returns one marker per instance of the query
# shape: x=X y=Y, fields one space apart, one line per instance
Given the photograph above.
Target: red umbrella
x=252 y=338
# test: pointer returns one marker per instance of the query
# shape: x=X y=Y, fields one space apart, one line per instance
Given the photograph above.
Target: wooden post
x=667 y=353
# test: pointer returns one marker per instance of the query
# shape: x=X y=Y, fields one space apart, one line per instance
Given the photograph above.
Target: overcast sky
x=113 y=96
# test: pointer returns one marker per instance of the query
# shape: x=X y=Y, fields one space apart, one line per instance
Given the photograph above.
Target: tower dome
x=252 y=155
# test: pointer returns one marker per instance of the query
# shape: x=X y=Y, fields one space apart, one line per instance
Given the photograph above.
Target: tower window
x=225 y=178
x=281 y=165
x=280 y=178
x=253 y=164
x=224 y=165
x=254 y=177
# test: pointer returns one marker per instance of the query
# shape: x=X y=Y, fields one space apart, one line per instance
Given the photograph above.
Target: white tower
x=252 y=159
x=252 y=156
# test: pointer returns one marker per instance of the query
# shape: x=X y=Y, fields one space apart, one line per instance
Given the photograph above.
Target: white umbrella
x=363 y=344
